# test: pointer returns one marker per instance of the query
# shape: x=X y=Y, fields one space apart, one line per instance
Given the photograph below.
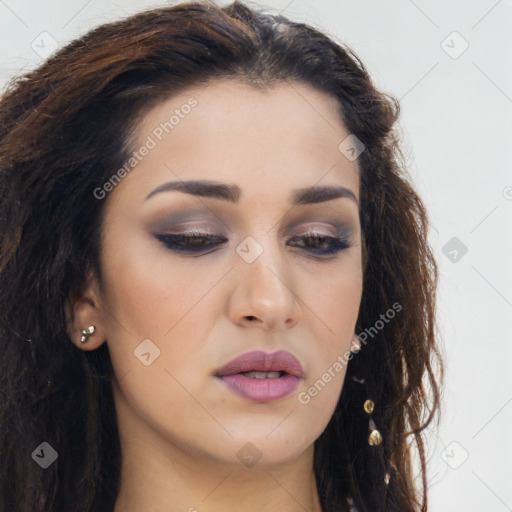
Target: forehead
x=265 y=140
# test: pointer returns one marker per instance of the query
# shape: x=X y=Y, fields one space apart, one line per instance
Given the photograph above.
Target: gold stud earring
x=86 y=333
x=356 y=345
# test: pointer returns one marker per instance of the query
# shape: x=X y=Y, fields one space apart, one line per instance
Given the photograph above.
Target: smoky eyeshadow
x=182 y=219
x=333 y=224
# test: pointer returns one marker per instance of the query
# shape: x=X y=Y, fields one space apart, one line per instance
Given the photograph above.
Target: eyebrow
x=232 y=193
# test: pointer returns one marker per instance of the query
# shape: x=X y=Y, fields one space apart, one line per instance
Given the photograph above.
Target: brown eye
x=190 y=242
x=320 y=244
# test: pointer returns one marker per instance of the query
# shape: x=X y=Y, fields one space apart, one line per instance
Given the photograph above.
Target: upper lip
x=280 y=361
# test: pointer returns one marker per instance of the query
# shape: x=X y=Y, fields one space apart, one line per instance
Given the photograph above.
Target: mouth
x=262 y=377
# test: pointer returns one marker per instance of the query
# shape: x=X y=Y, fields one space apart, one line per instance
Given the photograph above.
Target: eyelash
x=177 y=242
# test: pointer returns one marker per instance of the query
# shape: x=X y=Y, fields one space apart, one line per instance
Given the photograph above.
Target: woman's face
x=175 y=311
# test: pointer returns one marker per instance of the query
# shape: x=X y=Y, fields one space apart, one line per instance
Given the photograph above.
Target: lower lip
x=262 y=390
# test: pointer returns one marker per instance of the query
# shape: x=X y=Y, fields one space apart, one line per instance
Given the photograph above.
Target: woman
x=217 y=292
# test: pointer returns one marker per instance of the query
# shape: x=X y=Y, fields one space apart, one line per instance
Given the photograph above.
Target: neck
x=164 y=487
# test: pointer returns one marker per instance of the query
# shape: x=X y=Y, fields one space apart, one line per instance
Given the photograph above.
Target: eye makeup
x=317 y=232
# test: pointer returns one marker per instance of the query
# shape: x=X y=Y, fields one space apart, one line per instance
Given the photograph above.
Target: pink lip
x=262 y=390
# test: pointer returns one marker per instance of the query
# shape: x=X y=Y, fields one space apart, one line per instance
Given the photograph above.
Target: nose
x=265 y=292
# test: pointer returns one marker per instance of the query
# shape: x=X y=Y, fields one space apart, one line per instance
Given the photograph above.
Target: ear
x=84 y=310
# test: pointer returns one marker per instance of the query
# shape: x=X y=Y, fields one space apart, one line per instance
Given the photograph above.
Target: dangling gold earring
x=86 y=333
x=375 y=436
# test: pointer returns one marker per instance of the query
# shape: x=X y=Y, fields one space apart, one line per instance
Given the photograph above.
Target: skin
x=180 y=428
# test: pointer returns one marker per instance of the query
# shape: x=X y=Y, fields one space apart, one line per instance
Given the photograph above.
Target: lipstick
x=262 y=377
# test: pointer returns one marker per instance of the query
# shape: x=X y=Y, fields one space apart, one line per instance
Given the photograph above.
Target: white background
x=456 y=122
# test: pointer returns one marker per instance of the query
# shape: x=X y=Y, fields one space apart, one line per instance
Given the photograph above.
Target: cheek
x=167 y=302
x=154 y=296
x=334 y=306
x=149 y=292
x=334 y=298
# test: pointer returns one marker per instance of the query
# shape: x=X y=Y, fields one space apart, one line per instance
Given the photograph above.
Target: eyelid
x=194 y=230
x=320 y=228
x=167 y=218
x=187 y=227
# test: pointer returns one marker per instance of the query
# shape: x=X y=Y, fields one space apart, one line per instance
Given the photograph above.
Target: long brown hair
x=66 y=126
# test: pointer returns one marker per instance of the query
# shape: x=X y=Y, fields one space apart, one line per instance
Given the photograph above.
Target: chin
x=266 y=451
